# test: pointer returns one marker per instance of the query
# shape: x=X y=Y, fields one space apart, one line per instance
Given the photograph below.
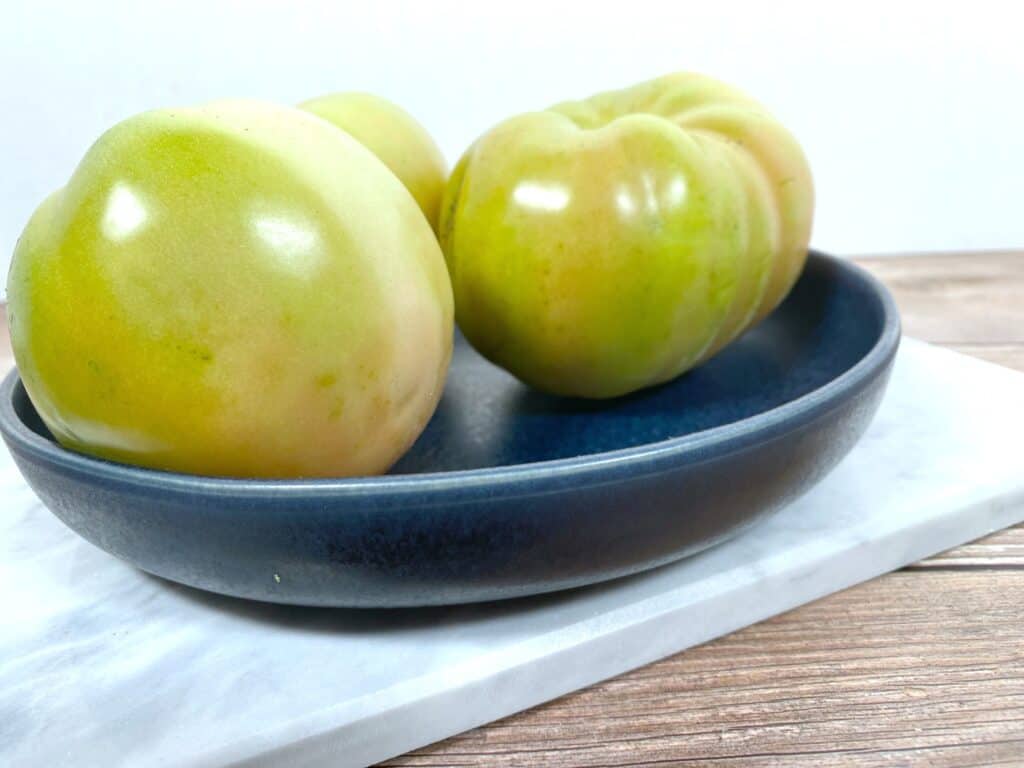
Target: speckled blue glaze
x=510 y=492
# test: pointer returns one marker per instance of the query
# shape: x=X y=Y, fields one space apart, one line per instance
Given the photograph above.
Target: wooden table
x=924 y=666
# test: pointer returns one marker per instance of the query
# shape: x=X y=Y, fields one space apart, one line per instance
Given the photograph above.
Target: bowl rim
x=635 y=460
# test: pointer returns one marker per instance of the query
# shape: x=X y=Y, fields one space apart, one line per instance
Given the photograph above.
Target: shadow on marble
x=383 y=620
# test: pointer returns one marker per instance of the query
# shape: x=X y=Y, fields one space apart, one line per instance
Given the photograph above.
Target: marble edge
x=411 y=715
x=910 y=342
x=406 y=709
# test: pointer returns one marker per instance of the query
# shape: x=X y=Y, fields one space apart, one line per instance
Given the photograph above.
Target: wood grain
x=957 y=298
x=1003 y=550
x=890 y=672
x=1008 y=355
x=924 y=667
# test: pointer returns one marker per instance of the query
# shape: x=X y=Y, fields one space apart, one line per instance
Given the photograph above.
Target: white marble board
x=102 y=665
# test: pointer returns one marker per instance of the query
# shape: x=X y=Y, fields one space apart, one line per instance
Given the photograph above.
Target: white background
x=912 y=114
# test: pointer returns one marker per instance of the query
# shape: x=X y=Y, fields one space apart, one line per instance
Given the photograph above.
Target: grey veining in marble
x=103 y=665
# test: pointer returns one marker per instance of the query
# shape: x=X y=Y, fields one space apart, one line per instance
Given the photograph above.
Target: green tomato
x=607 y=245
x=391 y=133
x=237 y=289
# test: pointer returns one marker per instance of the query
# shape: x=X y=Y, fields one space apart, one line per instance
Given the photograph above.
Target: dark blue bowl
x=510 y=492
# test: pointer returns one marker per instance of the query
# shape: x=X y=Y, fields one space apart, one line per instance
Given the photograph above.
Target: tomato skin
x=237 y=289
x=391 y=133
x=606 y=245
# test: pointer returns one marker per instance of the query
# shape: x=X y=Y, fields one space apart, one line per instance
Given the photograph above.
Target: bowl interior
x=487 y=418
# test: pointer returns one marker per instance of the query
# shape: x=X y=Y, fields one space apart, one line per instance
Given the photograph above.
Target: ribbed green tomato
x=391 y=133
x=237 y=289
x=606 y=245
